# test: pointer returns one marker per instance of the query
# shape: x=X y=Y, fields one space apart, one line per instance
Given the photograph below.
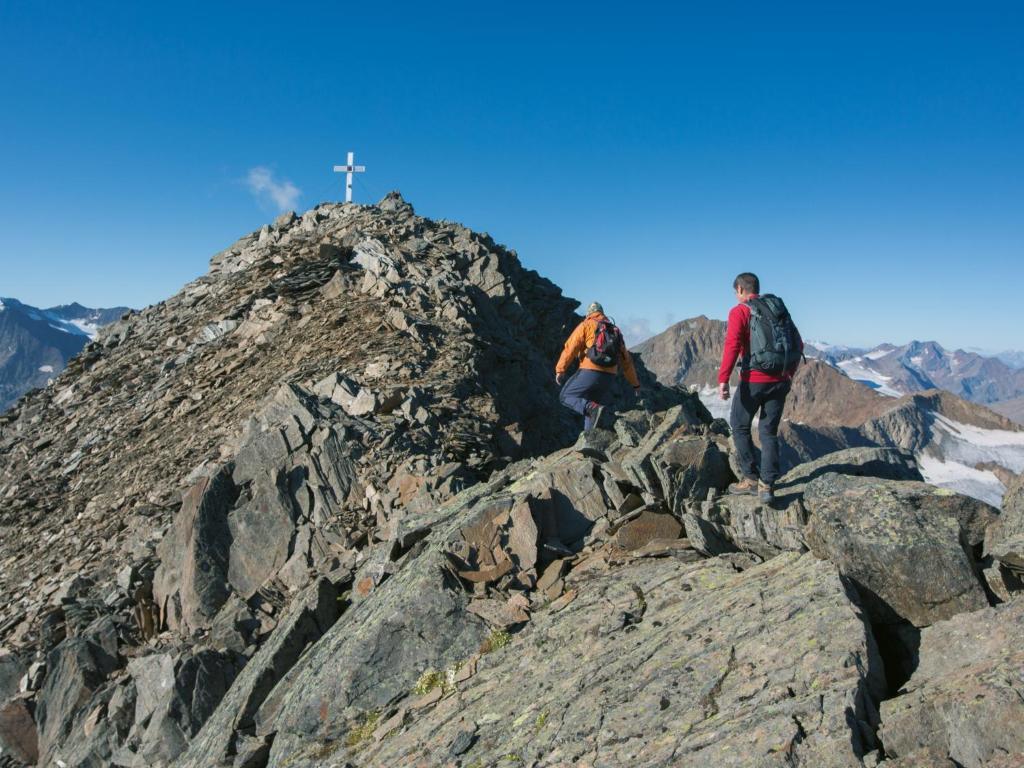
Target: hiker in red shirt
x=762 y=336
x=597 y=345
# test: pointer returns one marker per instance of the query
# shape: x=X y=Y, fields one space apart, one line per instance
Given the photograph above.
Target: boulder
x=639 y=463
x=191 y=583
x=567 y=496
x=966 y=698
x=907 y=546
x=98 y=736
x=647 y=527
x=1004 y=538
x=743 y=523
x=261 y=532
x=173 y=695
x=883 y=463
x=688 y=467
x=339 y=389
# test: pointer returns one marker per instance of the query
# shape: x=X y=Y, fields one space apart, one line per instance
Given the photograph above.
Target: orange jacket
x=581 y=339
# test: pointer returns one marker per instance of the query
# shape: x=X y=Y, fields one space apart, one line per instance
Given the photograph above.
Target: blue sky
x=867 y=160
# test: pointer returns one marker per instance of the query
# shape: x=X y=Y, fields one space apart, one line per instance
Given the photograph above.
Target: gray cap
x=595 y=306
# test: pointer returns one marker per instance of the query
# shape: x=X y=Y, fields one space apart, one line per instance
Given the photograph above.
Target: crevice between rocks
x=897 y=643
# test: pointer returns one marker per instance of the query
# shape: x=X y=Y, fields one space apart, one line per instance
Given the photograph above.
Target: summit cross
x=348 y=169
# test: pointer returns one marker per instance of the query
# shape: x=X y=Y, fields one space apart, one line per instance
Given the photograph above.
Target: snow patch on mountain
x=1012 y=358
x=977 y=445
x=37 y=343
x=86 y=327
x=957 y=449
x=824 y=346
x=857 y=371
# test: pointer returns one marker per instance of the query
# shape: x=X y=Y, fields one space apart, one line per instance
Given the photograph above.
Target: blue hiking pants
x=585 y=386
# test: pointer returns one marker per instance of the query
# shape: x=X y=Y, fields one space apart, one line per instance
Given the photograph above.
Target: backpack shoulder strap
x=758 y=305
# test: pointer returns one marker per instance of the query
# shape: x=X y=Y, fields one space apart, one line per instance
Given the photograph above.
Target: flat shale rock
x=731 y=523
x=966 y=699
x=662 y=663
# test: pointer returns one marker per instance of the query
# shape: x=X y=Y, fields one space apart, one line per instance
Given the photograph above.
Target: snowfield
x=991 y=442
x=856 y=370
x=977 y=483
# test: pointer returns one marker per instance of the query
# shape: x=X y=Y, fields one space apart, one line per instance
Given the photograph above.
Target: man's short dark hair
x=748 y=282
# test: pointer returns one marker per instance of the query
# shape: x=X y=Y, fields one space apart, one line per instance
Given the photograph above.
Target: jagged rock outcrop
x=966 y=699
x=280 y=420
x=93 y=467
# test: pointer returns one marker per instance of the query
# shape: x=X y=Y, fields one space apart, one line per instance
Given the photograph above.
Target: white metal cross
x=348 y=170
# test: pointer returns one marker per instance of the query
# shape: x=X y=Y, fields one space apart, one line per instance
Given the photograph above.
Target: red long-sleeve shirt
x=737 y=346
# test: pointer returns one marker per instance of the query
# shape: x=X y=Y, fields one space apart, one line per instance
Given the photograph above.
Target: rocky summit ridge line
x=322 y=508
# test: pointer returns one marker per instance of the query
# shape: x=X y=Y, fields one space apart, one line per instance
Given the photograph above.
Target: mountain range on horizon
x=36 y=344
x=687 y=350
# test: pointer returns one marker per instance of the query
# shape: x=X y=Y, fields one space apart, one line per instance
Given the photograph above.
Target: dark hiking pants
x=582 y=387
x=765 y=401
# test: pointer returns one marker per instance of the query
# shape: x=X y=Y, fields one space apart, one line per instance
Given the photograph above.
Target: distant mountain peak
x=37 y=343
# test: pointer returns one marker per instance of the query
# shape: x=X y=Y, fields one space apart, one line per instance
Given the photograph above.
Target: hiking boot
x=765 y=492
x=745 y=487
x=593 y=412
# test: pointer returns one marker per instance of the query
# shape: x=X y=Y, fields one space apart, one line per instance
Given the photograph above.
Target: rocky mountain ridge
x=322 y=508
x=36 y=344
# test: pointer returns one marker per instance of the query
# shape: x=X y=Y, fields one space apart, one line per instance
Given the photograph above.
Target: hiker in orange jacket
x=598 y=347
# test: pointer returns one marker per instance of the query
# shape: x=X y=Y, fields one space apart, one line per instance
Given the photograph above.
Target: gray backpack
x=775 y=344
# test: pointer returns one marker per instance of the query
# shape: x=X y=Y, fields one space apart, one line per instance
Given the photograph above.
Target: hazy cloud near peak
x=636 y=330
x=281 y=193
